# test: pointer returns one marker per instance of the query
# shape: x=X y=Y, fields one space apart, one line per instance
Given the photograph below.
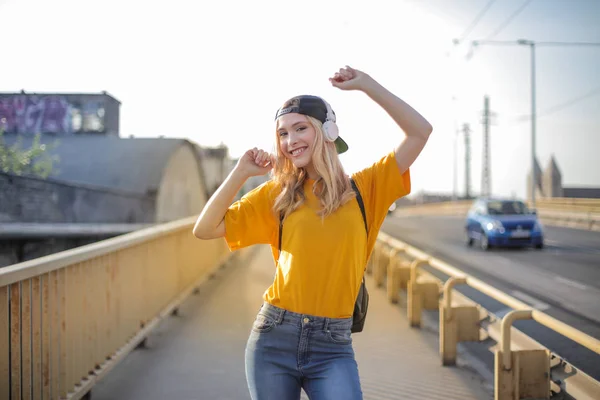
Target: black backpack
x=362 y=300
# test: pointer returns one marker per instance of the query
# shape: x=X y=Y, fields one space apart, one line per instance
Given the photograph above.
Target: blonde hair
x=332 y=188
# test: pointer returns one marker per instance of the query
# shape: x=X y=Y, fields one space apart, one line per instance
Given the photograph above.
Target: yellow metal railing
x=575 y=213
x=569 y=204
x=68 y=318
x=523 y=366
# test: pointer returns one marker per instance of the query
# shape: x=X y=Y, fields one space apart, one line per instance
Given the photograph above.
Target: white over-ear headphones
x=329 y=126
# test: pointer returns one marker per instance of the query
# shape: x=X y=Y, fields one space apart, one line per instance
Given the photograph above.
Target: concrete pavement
x=199 y=354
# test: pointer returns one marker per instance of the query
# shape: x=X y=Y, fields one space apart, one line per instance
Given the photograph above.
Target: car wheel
x=539 y=246
x=469 y=239
x=484 y=242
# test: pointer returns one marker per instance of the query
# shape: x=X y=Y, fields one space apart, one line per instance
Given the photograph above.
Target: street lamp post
x=531 y=45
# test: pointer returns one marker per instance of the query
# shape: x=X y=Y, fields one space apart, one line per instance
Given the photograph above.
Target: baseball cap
x=315 y=107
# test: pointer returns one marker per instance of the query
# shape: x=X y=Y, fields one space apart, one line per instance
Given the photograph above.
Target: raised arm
x=416 y=128
x=210 y=224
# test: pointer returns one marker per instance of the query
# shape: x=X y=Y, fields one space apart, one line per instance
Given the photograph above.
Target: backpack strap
x=280 y=231
x=362 y=210
x=361 y=205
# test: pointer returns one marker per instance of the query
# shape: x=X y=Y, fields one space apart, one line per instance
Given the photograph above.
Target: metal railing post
x=393 y=277
x=520 y=374
x=380 y=265
x=448 y=323
x=414 y=294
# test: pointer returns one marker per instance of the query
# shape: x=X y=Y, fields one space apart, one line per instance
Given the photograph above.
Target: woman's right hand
x=256 y=162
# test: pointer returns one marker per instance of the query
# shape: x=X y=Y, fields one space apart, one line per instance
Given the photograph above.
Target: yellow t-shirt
x=322 y=261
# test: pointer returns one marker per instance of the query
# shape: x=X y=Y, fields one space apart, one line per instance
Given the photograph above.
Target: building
x=549 y=184
x=59 y=113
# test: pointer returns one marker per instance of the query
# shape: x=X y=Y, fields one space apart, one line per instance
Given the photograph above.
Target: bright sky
x=216 y=71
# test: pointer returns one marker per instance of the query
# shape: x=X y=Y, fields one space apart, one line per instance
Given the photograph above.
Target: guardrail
x=523 y=367
x=67 y=319
x=570 y=204
x=572 y=213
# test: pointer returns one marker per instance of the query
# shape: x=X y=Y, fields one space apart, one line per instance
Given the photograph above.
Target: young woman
x=301 y=335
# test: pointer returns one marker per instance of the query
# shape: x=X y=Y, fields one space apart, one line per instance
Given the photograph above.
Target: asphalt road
x=562 y=280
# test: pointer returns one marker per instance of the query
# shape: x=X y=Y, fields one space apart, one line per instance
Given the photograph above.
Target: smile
x=297 y=152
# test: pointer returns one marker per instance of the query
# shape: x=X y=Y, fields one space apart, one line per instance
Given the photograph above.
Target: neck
x=312 y=173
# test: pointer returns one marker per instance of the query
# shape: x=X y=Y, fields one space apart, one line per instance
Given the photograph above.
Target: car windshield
x=507 y=208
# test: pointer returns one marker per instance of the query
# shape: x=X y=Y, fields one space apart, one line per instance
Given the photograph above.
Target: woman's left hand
x=350 y=79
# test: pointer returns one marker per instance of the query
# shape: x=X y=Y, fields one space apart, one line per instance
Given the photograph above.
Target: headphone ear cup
x=331 y=131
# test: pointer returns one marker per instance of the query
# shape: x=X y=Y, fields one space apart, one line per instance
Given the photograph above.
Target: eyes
x=300 y=128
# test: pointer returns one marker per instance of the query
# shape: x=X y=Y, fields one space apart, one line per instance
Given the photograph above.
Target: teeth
x=297 y=151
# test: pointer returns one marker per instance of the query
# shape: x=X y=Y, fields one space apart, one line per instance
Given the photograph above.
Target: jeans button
x=306 y=320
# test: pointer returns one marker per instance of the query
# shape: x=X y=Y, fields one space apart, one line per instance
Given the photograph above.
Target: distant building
x=549 y=184
x=539 y=191
x=552 y=180
x=59 y=113
x=215 y=166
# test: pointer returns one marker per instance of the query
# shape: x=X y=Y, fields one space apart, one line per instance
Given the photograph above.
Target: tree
x=35 y=160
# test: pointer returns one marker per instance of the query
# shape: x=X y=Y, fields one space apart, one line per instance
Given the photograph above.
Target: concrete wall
x=15 y=251
x=182 y=191
x=27 y=199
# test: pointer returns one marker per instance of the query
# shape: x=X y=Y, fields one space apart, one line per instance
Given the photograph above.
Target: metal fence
x=69 y=318
x=523 y=367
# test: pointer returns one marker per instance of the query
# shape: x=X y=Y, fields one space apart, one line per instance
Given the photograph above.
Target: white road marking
x=535 y=303
x=571 y=283
x=552 y=242
x=560 y=247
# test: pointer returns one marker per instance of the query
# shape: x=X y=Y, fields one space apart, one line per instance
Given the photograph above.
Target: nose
x=292 y=139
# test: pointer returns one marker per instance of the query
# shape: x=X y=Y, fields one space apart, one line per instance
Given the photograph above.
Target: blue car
x=497 y=222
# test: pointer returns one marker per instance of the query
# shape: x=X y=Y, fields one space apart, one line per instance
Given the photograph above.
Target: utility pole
x=466 y=132
x=486 y=175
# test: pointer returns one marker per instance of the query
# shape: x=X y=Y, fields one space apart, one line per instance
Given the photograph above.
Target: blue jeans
x=287 y=351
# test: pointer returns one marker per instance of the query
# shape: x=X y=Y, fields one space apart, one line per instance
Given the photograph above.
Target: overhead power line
x=558 y=107
x=537 y=44
x=596 y=44
x=477 y=43
x=501 y=27
x=570 y=102
x=475 y=21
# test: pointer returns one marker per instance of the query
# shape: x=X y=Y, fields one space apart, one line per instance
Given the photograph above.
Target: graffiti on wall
x=49 y=114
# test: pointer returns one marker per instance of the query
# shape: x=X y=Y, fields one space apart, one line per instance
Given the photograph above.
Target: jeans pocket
x=341 y=336
x=263 y=324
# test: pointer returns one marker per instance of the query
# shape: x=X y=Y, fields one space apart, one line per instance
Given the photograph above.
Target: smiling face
x=297 y=140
